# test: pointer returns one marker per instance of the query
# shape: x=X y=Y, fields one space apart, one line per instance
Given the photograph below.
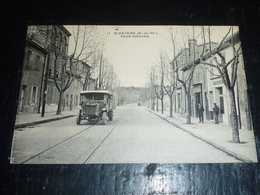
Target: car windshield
x=98 y=96
x=91 y=96
x=87 y=97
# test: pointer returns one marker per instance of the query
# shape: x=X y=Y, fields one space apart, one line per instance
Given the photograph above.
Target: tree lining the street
x=156 y=76
x=169 y=75
x=186 y=82
x=227 y=70
x=70 y=67
x=148 y=94
x=179 y=65
x=169 y=72
x=185 y=66
x=66 y=67
x=106 y=77
x=170 y=85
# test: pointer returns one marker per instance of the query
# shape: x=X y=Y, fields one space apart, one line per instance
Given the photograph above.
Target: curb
x=238 y=157
x=42 y=121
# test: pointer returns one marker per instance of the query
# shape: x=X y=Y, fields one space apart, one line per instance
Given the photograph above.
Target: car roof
x=96 y=91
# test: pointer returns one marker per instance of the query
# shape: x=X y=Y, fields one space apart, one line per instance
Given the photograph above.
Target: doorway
x=22 y=98
x=197 y=102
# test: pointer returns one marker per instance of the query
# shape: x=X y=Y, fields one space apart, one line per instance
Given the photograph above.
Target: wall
x=31 y=77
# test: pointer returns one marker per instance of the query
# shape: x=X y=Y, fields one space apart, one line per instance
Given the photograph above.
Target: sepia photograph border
x=119 y=179
x=209 y=80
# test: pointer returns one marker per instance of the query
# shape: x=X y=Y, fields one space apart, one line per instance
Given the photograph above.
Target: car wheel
x=110 y=116
x=78 y=118
x=104 y=118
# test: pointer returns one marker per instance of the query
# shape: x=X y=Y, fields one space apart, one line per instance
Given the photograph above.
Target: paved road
x=134 y=136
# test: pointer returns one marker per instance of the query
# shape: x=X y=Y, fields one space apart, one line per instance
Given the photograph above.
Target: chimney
x=192 y=49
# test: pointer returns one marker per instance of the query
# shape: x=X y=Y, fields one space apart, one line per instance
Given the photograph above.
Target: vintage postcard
x=133 y=94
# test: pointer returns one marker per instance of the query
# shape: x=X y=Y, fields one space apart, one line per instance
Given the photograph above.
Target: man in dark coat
x=201 y=110
x=216 y=111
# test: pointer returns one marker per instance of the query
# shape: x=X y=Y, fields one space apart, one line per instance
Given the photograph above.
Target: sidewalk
x=24 y=120
x=218 y=135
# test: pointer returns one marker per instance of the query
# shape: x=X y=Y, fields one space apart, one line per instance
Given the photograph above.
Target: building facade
x=185 y=58
x=46 y=61
x=217 y=92
x=207 y=85
x=33 y=69
x=81 y=82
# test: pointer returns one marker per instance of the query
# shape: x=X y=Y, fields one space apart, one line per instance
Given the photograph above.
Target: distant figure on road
x=201 y=110
x=216 y=111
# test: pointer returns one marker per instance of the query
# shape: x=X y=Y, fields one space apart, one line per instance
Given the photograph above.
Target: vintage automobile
x=96 y=106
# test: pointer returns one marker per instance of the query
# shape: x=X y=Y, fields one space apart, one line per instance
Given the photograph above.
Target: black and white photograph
x=106 y=94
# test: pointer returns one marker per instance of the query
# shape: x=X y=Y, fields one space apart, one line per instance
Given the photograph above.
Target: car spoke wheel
x=110 y=116
x=104 y=118
x=78 y=118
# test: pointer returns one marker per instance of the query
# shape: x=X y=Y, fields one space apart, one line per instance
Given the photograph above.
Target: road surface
x=134 y=136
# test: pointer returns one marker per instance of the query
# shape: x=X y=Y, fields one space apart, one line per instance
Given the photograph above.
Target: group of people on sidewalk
x=215 y=110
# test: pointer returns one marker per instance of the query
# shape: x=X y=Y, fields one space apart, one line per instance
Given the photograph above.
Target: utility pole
x=45 y=85
x=42 y=79
x=44 y=66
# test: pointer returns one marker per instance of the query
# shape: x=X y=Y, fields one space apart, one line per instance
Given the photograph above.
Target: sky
x=133 y=49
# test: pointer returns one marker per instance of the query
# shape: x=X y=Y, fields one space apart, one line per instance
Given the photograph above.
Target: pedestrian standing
x=201 y=110
x=216 y=111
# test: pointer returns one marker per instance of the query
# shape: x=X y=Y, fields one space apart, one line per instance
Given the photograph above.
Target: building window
x=222 y=110
x=211 y=100
x=53 y=94
x=220 y=90
x=54 y=37
x=66 y=45
x=59 y=40
x=179 y=100
x=61 y=43
x=56 y=41
x=37 y=62
x=56 y=74
x=33 y=95
x=76 y=100
x=67 y=100
x=28 y=59
x=221 y=100
x=49 y=73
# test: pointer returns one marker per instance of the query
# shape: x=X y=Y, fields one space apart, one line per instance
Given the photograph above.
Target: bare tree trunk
x=162 y=105
x=153 y=103
x=188 y=102
x=60 y=103
x=233 y=115
x=171 y=105
x=157 y=106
